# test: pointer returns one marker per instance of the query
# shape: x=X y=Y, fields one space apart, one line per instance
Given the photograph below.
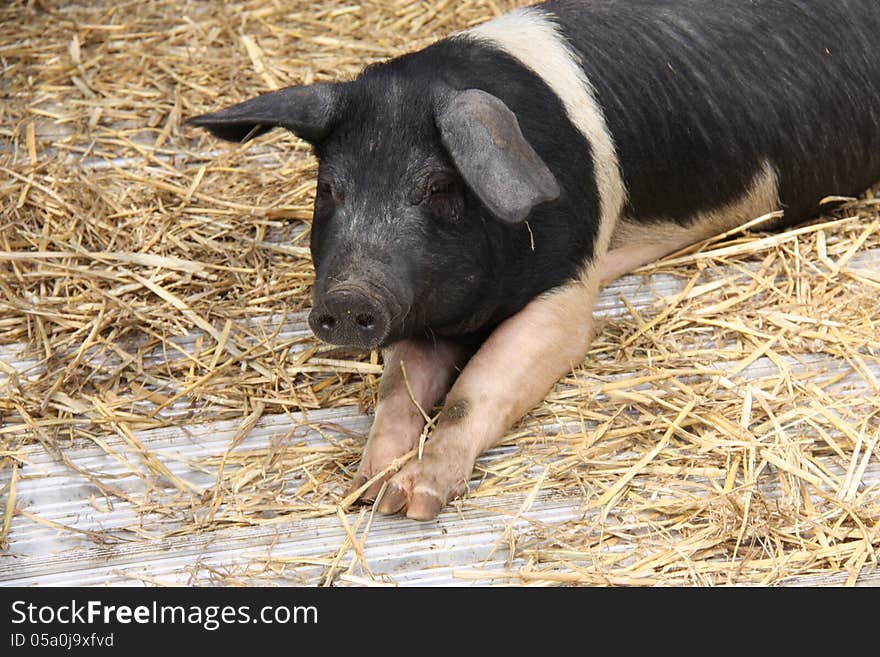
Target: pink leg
x=431 y=366
x=618 y=262
x=511 y=372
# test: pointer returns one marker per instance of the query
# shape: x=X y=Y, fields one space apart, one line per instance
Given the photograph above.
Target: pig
x=474 y=195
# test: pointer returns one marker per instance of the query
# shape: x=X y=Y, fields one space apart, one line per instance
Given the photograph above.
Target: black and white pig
x=472 y=196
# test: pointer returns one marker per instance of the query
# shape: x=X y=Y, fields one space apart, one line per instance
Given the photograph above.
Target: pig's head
x=418 y=185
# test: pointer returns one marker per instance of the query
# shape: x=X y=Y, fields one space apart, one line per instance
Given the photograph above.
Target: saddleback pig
x=472 y=196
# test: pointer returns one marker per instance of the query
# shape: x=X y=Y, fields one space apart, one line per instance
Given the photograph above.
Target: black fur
x=698 y=93
x=468 y=275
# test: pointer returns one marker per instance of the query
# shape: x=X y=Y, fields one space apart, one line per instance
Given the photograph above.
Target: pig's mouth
x=355 y=315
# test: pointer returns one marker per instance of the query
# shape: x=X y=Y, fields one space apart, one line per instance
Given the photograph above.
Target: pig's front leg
x=511 y=373
x=431 y=366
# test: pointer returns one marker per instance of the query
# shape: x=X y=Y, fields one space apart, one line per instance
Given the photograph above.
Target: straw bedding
x=726 y=434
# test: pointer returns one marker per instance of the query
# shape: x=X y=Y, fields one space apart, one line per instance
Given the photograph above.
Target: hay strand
x=724 y=428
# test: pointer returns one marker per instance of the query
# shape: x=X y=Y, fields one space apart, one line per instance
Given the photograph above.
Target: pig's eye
x=439 y=187
x=441 y=197
x=327 y=192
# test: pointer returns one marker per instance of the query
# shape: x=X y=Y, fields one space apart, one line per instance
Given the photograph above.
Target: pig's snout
x=350 y=315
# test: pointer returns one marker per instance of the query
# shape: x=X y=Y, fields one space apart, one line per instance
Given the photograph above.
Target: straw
x=151 y=277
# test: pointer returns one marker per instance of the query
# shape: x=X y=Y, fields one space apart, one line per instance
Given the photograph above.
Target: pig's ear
x=484 y=139
x=307 y=111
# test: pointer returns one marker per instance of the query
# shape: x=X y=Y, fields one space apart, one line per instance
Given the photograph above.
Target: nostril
x=327 y=322
x=365 y=321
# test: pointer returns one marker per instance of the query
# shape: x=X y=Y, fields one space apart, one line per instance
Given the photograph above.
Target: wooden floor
x=65 y=535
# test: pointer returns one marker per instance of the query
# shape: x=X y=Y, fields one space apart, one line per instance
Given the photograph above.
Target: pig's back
x=702 y=97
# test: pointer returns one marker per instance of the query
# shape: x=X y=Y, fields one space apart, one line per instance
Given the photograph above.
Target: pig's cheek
x=423 y=488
